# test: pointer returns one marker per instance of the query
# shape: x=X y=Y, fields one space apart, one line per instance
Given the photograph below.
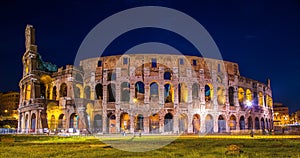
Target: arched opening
x=267 y=124
x=111 y=76
x=87 y=92
x=168 y=122
x=73 y=121
x=45 y=87
x=54 y=95
x=208 y=93
x=28 y=92
x=154 y=92
x=52 y=122
x=167 y=75
x=250 y=123
x=33 y=122
x=61 y=121
x=111 y=123
x=42 y=90
x=262 y=123
x=97 y=123
x=139 y=122
x=209 y=124
x=125 y=122
x=111 y=92
x=260 y=99
x=139 y=91
x=125 y=92
x=63 y=90
x=196 y=123
x=220 y=95
x=232 y=122
x=183 y=123
x=76 y=92
x=249 y=96
x=195 y=91
x=242 y=123
x=241 y=95
x=182 y=93
x=99 y=91
x=169 y=93
x=257 y=123
x=231 y=96
x=221 y=124
x=154 y=123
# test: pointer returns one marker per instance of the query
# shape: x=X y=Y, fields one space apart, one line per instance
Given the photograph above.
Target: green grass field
x=183 y=146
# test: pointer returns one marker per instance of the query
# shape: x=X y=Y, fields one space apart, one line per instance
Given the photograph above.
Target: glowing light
x=248 y=103
x=5 y=111
x=135 y=100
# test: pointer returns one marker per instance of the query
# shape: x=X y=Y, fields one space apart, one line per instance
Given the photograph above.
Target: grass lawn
x=183 y=146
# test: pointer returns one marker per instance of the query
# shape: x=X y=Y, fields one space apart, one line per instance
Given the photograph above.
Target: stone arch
x=89 y=113
x=98 y=121
x=260 y=99
x=63 y=90
x=232 y=122
x=196 y=123
x=139 y=122
x=74 y=120
x=125 y=121
x=262 y=123
x=168 y=122
x=257 y=123
x=28 y=92
x=220 y=95
x=221 y=124
x=99 y=91
x=26 y=121
x=250 y=123
x=231 y=96
x=241 y=96
x=125 y=91
x=154 y=92
x=267 y=124
x=87 y=92
x=33 y=122
x=242 y=123
x=78 y=91
x=45 y=86
x=61 y=121
x=111 y=92
x=54 y=93
x=182 y=92
x=167 y=75
x=154 y=123
x=209 y=123
x=168 y=93
x=139 y=91
x=249 y=96
x=195 y=90
x=111 y=123
x=183 y=123
x=208 y=89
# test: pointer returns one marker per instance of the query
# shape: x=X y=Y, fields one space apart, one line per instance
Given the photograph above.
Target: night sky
x=261 y=36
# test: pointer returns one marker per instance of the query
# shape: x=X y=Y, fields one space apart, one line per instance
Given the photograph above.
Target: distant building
x=9 y=103
x=295 y=117
x=281 y=114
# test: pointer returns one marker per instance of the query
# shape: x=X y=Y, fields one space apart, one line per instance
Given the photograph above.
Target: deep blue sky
x=261 y=36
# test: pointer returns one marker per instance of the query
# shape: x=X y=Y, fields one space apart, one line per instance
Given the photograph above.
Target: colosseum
x=148 y=93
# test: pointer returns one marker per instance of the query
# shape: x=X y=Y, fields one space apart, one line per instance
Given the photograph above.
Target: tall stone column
x=161 y=123
x=146 y=124
x=132 y=123
x=117 y=114
x=202 y=122
x=215 y=117
x=176 y=123
x=190 y=123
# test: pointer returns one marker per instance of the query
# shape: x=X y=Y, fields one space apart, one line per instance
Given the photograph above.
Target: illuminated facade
x=151 y=93
x=9 y=103
x=281 y=114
